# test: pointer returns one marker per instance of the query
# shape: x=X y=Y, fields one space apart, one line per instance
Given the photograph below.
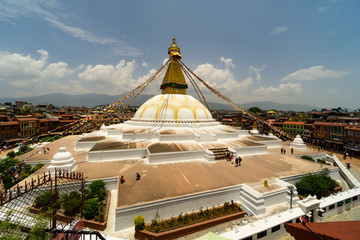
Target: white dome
x=62 y=155
x=173 y=107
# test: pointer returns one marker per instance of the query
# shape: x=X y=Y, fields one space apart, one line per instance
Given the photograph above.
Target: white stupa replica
x=254 y=130
x=62 y=160
x=298 y=143
x=172 y=126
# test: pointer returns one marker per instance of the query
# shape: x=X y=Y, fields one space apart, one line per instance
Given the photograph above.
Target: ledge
x=186 y=230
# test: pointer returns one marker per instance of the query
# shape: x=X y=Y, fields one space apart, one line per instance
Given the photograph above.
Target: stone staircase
x=220 y=153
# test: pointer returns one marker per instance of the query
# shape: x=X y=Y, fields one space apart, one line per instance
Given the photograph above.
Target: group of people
x=46 y=149
x=238 y=161
x=283 y=151
x=122 y=179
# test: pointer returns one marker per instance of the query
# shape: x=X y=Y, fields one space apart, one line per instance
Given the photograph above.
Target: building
x=28 y=126
x=9 y=132
x=352 y=142
x=294 y=128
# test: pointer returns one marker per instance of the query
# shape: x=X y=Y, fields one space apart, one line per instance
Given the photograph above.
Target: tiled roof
x=330 y=124
x=9 y=123
x=26 y=119
x=347 y=230
x=294 y=123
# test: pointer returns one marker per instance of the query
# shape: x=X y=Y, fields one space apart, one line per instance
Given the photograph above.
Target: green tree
x=72 y=203
x=37 y=231
x=255 y=110
x=97 y=190
x=8 y=229
x=91 y=208
x=319 y=184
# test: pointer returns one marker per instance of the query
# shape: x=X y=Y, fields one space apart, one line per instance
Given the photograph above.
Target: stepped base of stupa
x=171 y=144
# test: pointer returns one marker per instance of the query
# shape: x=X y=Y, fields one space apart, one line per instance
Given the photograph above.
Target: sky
x=298 y=51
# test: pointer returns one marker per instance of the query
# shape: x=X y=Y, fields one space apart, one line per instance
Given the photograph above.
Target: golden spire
x=174 y=80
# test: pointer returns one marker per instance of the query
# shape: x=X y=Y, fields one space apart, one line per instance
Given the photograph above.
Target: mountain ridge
x=93 y=99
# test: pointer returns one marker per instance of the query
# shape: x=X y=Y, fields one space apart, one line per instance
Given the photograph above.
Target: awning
x=352 y=148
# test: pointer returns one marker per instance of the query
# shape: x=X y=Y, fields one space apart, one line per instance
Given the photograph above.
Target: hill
x=92 y=99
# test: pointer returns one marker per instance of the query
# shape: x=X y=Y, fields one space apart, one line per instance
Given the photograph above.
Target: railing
x=59 y=234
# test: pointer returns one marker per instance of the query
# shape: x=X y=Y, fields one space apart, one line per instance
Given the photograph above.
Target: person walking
x=292 y=151
x=282 y=151
x=240 y=160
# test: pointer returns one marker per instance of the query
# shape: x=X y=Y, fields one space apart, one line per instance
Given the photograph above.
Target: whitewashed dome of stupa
x=62 y=160
x=173 y=107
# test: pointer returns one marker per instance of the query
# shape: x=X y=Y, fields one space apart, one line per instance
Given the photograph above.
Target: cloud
x=10 y=10
x=313 y=73
x=115 y=79
x=221 y=79
x=80 y=33
x=257 y=71
x=26 y=75
x=278 y=30
x=283 y=89
x=227 y=61
x=145 y=64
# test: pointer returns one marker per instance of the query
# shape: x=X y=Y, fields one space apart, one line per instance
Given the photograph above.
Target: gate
x=46 y=196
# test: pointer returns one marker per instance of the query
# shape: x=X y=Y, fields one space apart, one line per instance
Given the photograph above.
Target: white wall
x=175 y=156
x=174 y=206
x=116 y=154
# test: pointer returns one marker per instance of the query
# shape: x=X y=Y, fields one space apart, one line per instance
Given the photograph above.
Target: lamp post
x=291 y=188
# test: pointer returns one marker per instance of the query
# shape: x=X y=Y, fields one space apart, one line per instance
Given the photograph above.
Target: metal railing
x=73 y=234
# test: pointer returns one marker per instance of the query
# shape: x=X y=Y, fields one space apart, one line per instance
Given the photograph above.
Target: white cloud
x=283 y=89
x=313 y=73
x=278 y=30
x=145 y=64
x=257 y=71
x=227 y=61
x=221 y=79
x=10 y=10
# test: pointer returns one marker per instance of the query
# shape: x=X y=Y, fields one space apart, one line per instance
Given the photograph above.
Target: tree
x=97 y=190
x=255 y=110
x=319 y=184
x=71 y=203
x=37 y=232
x=91 y=208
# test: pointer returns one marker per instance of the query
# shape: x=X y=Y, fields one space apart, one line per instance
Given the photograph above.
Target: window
x=332 y=206
x=355 y=198
x=276 y=228
x=339 y=204
x=261 y=235
x=248 y=238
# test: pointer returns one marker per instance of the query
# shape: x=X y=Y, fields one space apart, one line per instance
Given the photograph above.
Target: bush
x=43 y=201
x=11 y=154
x=97 y=190
x=37 y=167
x=307 y=158
x=139 y=222
x=319 y=184
x=71 y=203
x=91 y=208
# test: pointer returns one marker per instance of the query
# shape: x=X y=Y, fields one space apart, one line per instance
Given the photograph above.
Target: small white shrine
x=62 y=160
x=254 y=130
x=298 y=143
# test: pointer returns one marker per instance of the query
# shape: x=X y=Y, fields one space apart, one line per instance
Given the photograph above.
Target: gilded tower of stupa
x=174 y=81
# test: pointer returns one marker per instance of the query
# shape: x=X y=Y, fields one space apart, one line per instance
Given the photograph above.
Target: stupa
x=254 y=130
x=61 y=160
x=172 y=126
x=298 y=143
